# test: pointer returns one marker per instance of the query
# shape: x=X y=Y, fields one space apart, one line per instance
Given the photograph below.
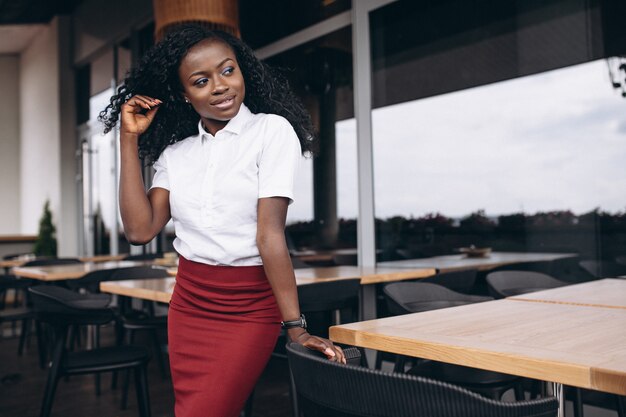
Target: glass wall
x=320 y=72
x=510 y=129
x=264 y=22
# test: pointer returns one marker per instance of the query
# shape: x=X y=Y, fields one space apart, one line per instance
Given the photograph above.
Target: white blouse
x=215 y=183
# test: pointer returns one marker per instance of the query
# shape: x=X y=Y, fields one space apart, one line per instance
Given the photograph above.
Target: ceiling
x=22 y=20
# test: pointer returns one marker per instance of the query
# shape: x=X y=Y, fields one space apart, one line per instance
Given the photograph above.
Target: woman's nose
x=219 y=86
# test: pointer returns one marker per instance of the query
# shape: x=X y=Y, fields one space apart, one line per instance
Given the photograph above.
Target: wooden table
x=160 y=289
x=609 y=292
x=12 y=263
x=71 y=271
x=577 y=345
x=460 y=262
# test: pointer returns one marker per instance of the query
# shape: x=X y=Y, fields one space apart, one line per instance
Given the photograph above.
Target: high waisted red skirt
x=223 y=324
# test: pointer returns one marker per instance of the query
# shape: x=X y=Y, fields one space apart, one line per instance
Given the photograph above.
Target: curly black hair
x=267 y=91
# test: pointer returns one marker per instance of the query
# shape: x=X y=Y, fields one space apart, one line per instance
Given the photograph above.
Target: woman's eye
x=201 y=81
x=228 y=70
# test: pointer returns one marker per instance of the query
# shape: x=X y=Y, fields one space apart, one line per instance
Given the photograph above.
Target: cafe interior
x=461 y=232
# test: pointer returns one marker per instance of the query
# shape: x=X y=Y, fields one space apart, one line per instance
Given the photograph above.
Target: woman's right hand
x=137 y=114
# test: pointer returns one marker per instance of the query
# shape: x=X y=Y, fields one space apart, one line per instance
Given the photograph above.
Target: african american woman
x=225 y=134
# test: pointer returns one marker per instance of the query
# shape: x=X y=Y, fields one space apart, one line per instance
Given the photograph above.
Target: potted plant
x=46 y=243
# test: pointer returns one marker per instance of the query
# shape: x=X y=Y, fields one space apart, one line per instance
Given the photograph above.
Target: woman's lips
x=226 y=103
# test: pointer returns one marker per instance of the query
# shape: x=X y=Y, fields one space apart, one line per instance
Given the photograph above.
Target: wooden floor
x=22 y=384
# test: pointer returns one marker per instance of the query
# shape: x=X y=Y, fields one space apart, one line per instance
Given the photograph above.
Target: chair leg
x=41 y=345
x=621 y=405
x=53 y=379
x=25 y=327
x=578 y=402
x=294 y=396
x=143 y=395
x=130 y=337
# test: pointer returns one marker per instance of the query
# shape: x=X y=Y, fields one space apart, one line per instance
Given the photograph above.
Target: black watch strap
x=291 y=324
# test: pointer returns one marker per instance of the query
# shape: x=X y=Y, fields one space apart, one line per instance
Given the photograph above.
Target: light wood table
x=576 y=345
x=160 y=289
x=71 y=271
x=461 y=262
x=12 y=263
x=607 y=292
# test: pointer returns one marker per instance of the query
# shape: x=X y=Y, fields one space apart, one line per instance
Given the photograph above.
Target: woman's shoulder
x=271 y=122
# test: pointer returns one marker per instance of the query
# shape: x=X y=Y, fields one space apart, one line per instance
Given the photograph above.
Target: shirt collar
x=234 y=125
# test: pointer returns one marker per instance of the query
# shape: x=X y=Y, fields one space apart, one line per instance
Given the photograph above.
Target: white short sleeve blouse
x=215 y=183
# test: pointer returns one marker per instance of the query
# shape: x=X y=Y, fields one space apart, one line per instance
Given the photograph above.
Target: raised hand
x=137 y=114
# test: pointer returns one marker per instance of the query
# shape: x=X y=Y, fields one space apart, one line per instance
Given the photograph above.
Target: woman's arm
x=143 y=215
x=272 y=214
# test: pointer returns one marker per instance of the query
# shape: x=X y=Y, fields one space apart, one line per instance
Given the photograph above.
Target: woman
x=225 y=135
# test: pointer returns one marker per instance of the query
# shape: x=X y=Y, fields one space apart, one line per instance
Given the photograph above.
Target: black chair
x=331 y=298
x=130 y=321
x=504 y=284
x=414 y=297
x=322 y=303
x=603 y=269
x=61 y=308
x=329 y=389
x=52 y=261
x=460 y=281
x=23 y=312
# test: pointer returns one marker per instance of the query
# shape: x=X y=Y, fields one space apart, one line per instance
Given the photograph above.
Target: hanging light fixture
x=214 y=14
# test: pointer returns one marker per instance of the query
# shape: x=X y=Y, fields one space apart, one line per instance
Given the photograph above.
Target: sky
x=552 y=141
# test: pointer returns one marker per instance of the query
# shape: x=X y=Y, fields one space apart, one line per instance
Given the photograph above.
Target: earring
x=187 y=100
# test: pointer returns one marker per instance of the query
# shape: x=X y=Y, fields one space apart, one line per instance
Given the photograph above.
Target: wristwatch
x=301 y=322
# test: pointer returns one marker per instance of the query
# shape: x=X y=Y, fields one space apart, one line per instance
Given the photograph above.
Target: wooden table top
x=12 y=263
x=459 y=262
x=571 y=344
x=160 y=289
x=70 y=271
x=607 y=292
x=368 y=275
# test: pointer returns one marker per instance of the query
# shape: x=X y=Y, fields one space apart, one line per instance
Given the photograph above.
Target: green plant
x=46 y=243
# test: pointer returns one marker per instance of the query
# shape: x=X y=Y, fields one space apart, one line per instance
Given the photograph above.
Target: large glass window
x=320 y=72
x=498 y=125
x=264 y=22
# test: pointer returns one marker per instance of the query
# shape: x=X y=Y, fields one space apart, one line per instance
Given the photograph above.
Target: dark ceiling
x=15 y=12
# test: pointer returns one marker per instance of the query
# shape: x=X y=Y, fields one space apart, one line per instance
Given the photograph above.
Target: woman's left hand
x=332 y=352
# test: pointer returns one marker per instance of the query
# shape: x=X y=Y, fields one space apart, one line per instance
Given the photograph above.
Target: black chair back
x=62 y=307
x=331 y=295
x=504 y=284
x=52 y=261
x=603 y=269
x=330 y=389
x=417 y=296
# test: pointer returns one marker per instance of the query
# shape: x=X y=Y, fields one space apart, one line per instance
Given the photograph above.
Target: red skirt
x=223 y=324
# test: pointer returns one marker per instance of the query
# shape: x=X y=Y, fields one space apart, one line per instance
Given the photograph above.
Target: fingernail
x=329 y=351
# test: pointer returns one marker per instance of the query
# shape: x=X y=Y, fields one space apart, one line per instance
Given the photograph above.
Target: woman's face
x=212 y=82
